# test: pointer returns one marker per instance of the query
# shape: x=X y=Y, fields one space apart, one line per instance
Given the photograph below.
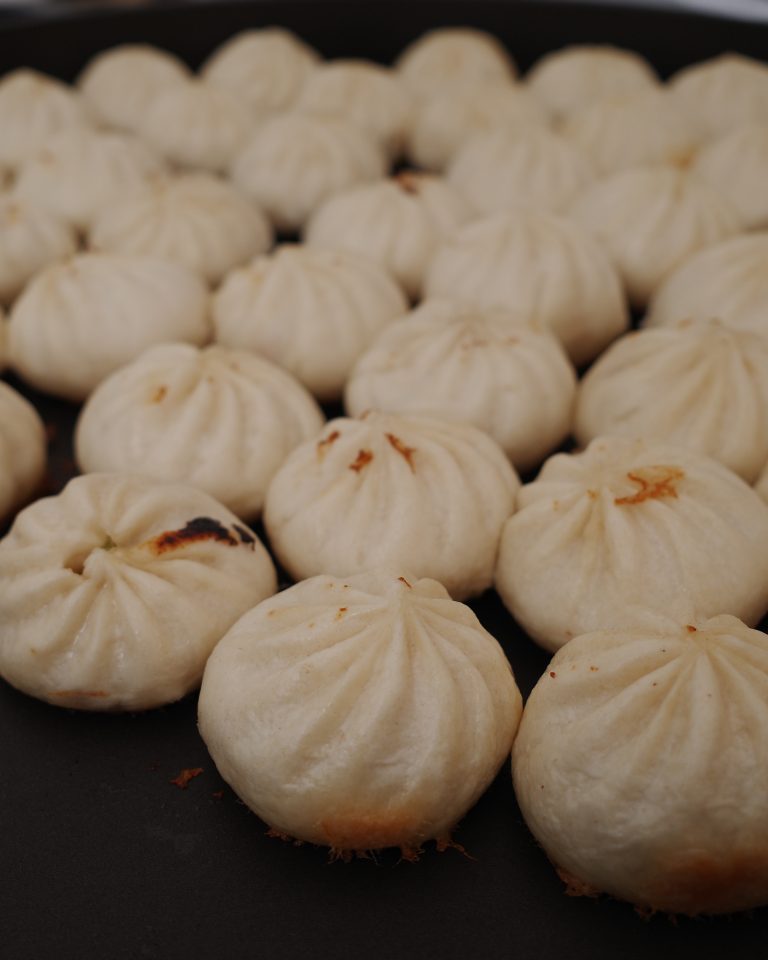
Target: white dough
x=567 y=80
x=762 y=484
x=23 y=450
x=471 y=365
x=694 y=383
x=197 y=126
x=293 y=163
x=727 y=281
x=455 y=57
x=221 y=420
x=736 y=165
x=81 y=172
x=361 y=713
x=545 y=268
x=120 y=83
x=638 y=765
x=80 y=319
x=643 y=128
x=117 y=590
x=311 y=311
x=723 y=93
x=449 y=116
x=398 y=222
x=364 y=93
x=30 y=239
x=628 y=526
x=509 y=169
x=33 y=107
x=387 y=490
x=267 y=68
x=196 y=220
x=650 y=219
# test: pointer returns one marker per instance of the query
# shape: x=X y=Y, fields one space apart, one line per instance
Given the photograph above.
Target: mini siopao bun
x=267 y=68
x=727 y=281
x=119 y=84
x=84 y=317
x=387 y=490
x=360 y=714
x=695 y=383
x=116 y=591
x=30 y=239
x=22 y=446
x=221 y=420
x=196 y=220
x=399 y=223
x=627 y=526
x=545 y=268
x=311 y=311
x=638 y=765
x=454 y=57
x=471 y=365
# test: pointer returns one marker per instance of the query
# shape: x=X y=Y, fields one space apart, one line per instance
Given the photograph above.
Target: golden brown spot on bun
x=362 y=460
x=160 y=393
x=405 y=452
x=403 y=580
x=199 y=529
x=655 y=483
x=354 y=832
x=324 y=444
x=697 y=881
x=95 y=694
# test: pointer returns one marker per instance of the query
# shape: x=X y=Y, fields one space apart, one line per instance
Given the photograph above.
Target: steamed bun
x=361 y=713
x=388 y=490
x=117 y=590
x=548 y=270
x=638 y=764
x=22 y=447
x=625 y=526
x=471 y=365
x=695 y=383
x=454 y=57
x=30 y=239
x=222 y=420
x=311 y=311
x=80 y=319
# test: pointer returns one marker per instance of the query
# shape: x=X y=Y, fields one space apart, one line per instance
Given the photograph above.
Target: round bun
x=30 y=239
x=81 y=172
x=628 y=526
x=196 y=220
x=455 y=57
x=398 y=222
x=471 y=365
x=723 y=93
x=197 y=126
x=79 y=320
x=727 y=281
x=636 y=765
x=22 y=450
x=293 y=163
x=548 y=270
x=387 y=490
x=567 y=80
x=311 y=311
x=267 y=68
x=450 y=116
x=360 y=714
x=650 y=219
x=693 y=384
x=119 y=84
x=34 y=107
x=364 y=93
x=509 y=168
x=119 y=588
x=222 y=420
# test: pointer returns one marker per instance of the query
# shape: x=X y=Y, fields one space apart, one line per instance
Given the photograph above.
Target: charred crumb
x=185 y=777
x=197 y=530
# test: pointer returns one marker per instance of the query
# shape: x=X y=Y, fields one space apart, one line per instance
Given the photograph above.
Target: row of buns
x=365 y=706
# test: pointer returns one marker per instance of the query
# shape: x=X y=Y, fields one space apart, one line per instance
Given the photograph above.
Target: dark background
x=102 y=856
